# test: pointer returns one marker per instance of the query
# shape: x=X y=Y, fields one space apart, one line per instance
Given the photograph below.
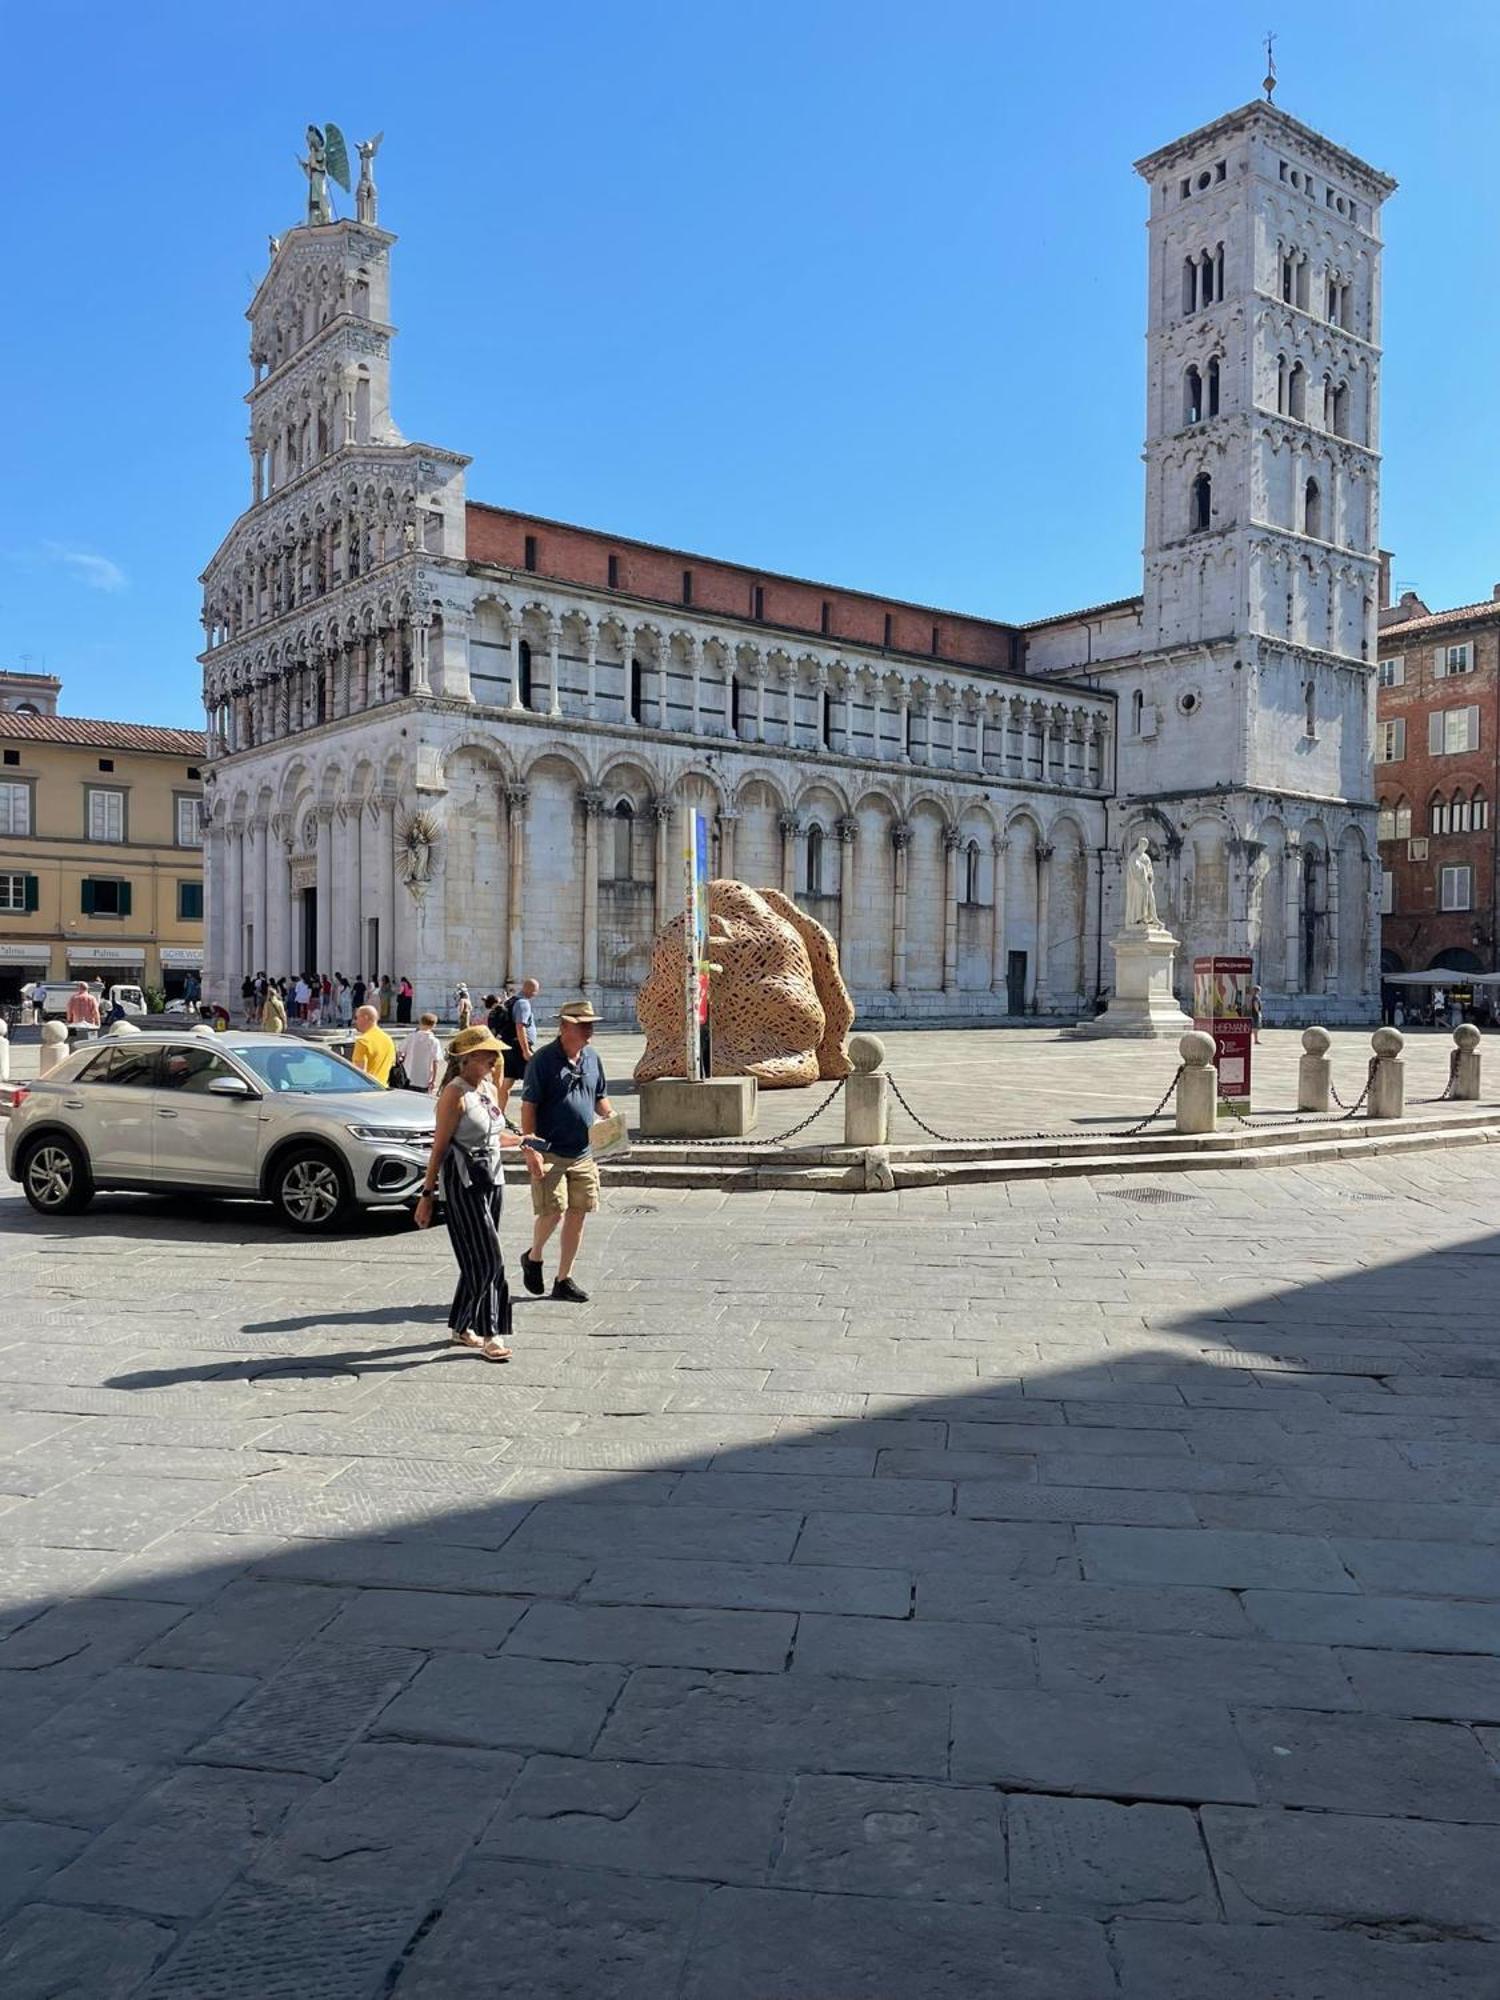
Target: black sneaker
x=564 y=1288
x=531 y=1274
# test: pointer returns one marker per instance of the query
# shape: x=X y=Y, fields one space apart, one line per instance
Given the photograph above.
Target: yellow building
x=101 y=848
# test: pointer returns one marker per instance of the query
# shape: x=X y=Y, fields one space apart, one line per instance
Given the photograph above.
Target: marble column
x=661 y=813
x=262 y=948
x=1292 y=916
x=214 y=974
x=592 y=804
x=234 y=909
x=346 y=937
x=421 y=641
x=729 y=672
x=325 y=889
x=847 y=745
x=592 y=700
x=517 y=798
x=999 y=958
x=554 y=666
x=279 y=898
x=1331 y=925
x=791 y=830
x=1040 y=990
x=663 y=671
x=900 y=843
x=727 y=822
x=695 y=669
x=516 y=636
x=847 y=829
x=952 y=841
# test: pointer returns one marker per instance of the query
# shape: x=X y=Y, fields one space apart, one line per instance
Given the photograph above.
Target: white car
x=238 y=1114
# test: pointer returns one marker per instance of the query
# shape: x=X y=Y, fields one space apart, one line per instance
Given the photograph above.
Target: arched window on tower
x=1192 y=397
x=523 y=674
x=1339 y=412
x=815 y=861
x=1309 y=708
x=1385 y=821
x=1137 y=712
x=825 y=717
x=1219 y=272
x=1296 y=392
x=1312 y=510
x=624 y=842
x=1403 y=820
x=1212 y=386
x=1479 y=813
x=1201 y=514
x=637 y=691
x=1189 y=284
x=1458 y=814
x=1206 y=292
x=971 y=872
x=1281 y=385
x=1437 y=814
x=734 y=705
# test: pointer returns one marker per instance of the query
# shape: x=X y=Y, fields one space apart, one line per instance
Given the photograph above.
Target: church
x=450 y=740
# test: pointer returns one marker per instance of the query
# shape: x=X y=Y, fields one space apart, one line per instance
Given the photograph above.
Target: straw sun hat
x=473 y=1042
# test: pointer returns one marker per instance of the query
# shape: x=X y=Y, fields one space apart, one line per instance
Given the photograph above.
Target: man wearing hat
x=564 y=1092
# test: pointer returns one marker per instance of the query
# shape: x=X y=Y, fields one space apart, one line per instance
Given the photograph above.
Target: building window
x=1479 y=813
x=614 y=572
x=1212 y=387
x=734 y=705
x=825 y=717
x=1137 y=712
x=1458 y=814
x=530 y=556
x=624 y=855
x=1385 y=823
x=1309 y=708
x=189 y=815
x=936 y=640
x=1339 y=411
x=687 y=586
x=758 y=601
x=637 y=691
x=1455 y=888
x=971 y=872
x=815 y=861
x=1202 y=503
x=826 y=623
x=1451 y=731
x=190 y=902
x=1403 y=820
x=18 y=894
x=1296 y=392
x=1437 y=815
x=1312 y=510
x=106 y=813
x=1192 y=397
x=106 y=763
x=1390 y=744
x=1453 y=660
x=523 y=673
x=887 y=639
x=15 y=808
x=1392 y=673
x=1387 y=892
x=104 y=896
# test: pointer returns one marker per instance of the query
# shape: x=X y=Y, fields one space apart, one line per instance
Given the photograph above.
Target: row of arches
x=1458 y=811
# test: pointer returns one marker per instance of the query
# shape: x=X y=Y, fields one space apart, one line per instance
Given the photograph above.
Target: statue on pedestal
x=366 y=195
x=1141 y=912
x=327 y=156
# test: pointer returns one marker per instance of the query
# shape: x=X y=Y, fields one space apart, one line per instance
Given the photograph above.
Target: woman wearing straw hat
x=469 y=1137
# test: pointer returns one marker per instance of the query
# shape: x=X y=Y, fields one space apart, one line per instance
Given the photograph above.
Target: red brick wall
x=581 y=555
x=1416 y=930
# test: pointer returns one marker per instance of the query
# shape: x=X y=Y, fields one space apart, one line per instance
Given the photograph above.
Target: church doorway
x=308 y=940
x=1015 y=983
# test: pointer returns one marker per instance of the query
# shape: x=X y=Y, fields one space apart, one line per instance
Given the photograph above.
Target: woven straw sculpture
x=779 y=1009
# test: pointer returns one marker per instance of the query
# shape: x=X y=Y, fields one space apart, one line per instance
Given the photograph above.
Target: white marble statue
x=1141 y=912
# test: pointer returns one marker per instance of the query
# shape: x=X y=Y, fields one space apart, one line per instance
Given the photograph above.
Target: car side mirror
x=230 y=1086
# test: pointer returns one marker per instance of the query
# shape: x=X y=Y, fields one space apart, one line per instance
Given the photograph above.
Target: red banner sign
x=1221 y=1007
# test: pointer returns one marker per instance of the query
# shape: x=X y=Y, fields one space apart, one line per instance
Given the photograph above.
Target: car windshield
x=313 y=1071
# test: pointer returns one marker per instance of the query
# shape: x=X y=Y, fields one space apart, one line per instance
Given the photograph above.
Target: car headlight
x=391 y=1135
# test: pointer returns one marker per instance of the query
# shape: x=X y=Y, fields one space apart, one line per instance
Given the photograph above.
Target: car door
x=111 y=1107
x=203 y=1139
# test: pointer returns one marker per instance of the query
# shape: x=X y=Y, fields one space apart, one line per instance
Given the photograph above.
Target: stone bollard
x=1198 y=1085
x=54 y=1045
x=1466 y=1061
x=1314 y=1071
x=1387 y=1097
x=867 y=1093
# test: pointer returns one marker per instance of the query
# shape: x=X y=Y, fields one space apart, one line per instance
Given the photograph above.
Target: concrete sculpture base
x=720 y=1107
x=1142 y=1007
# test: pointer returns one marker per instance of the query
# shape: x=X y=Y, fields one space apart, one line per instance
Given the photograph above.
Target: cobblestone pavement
x=1052 y=1592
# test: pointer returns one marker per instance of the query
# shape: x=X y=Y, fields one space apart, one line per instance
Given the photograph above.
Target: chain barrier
x=1450 y=1088
x=1027 y=1138
x=768 y=1139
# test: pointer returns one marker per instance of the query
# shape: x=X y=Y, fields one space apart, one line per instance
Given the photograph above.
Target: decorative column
x=1292 y=914
x=791 y=828
x=661 y=813
x=592 y=697
x=376 y=694
x=591 y=802
x=515 y=660
x=385 y=878
x=900 y=842
x=452 y=661
x=421 y=680
x=903 y=725
x=695 y=669
x=554 y=651
x=727 y=822
x=517 y=798
x=1331 y=924
x=234 y=910
x=999 y=961
x=346 y=949
x=730 y=652
x=1016 y=746
x=329 y=668
x=952 y=841
x=929 y=712
x=847 y=743
x=213 y=911
x=847 y=830
x=1043 y=925
x=663 y=668
x=262 y=825
x=325 y=889
x=279 y=896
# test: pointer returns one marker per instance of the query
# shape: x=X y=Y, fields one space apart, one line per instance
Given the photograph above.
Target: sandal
x=465 y=1339
x=493 y=1350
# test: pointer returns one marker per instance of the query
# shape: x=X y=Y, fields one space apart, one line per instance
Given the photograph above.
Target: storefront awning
x=182 y=955
x=107 y=954
x=25 y=954
x=1440 y=975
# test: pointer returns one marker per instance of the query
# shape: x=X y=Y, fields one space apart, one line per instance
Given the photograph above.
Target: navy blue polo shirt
x=566 y=1095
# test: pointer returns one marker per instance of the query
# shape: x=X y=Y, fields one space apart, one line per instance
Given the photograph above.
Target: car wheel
x=310 y=1188
x=55 y=1176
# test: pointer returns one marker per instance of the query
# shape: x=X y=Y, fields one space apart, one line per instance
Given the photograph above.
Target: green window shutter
x=88 y=895
x=29 y=898
x=190 y=902
x=124 y=899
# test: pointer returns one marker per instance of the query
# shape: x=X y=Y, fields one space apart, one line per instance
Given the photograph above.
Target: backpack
x=503 y=1022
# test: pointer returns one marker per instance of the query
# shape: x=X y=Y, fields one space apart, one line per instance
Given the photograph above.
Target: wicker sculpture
x=780 y=1009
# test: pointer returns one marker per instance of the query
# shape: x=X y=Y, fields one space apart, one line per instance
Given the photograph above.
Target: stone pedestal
x=1466 y=1061
x=1142 y=1006
x=721 y=1107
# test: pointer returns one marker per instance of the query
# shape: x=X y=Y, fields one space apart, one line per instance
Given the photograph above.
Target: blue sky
x=841 y=287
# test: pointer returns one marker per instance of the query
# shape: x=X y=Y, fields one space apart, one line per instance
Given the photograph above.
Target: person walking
x=301 y=994
x=1257 y=1013
x=273 y=1011
x=564 y=1092
x=357 y=994
x=405 y=994
x=343 y=1005
x=83 y=1010
x=465 y=1161
x=463 y=1006
x=374 y=1052
x=518 y=1032
x=422 y=1056
x=385 y=999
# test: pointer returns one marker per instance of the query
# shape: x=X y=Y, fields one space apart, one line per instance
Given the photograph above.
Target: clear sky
x=839 y=287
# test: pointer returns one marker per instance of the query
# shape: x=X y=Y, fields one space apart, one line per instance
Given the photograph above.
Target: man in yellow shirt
x=374 y=1052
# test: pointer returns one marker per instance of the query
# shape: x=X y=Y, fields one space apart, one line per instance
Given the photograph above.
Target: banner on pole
x=695 y=942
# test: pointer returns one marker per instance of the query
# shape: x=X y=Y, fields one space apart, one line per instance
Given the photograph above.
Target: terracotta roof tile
x=1462 y=614
x=77 y=729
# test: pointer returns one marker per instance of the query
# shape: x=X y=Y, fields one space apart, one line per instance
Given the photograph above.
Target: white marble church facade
x=450 y=740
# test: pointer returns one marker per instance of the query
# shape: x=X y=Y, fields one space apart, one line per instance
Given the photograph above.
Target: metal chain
x=1011 y=1138
x=1450 y=1088
x=768 y=1139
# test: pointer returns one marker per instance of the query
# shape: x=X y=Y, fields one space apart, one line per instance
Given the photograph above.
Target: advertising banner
x=695 y=941
x=1221 y=1008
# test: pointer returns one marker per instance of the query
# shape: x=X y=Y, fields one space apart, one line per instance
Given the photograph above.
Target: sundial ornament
x=327 y=159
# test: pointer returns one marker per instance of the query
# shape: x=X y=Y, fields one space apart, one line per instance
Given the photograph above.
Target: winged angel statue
x=327 y=159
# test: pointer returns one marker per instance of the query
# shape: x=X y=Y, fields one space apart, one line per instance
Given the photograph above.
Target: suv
x=200 y=1113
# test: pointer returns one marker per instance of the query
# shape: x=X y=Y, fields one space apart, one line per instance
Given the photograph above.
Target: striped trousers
x=481 y=1304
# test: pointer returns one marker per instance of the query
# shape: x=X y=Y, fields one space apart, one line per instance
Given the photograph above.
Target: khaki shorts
x=566 y=1184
